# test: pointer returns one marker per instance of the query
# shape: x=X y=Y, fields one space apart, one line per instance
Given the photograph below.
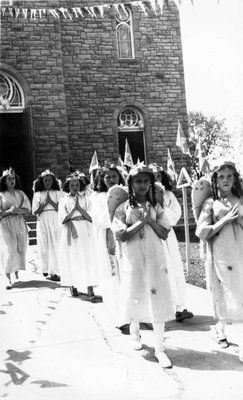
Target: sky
x=212 y=40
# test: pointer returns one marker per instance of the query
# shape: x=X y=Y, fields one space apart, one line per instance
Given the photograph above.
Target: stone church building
x=80 y=76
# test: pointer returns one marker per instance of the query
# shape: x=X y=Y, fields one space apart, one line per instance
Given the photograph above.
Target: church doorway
x=16 y=147
x=130 y=127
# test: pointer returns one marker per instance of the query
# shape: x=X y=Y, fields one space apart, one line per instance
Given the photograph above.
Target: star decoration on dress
x=153 y=291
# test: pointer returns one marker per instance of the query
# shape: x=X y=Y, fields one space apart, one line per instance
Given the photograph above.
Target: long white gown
x=47 y=231
x=77 y=259
x=224 y=260
x=13 y=232
x=145 y=293
x=172 y=211
x=101 y=222
x=107 y=266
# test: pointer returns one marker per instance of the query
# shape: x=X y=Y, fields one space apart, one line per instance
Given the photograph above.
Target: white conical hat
x=201 y=190
x=116 y=195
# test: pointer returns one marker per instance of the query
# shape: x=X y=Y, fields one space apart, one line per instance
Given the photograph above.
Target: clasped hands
x=80 y=209
x=15 y=210
x=48 y=201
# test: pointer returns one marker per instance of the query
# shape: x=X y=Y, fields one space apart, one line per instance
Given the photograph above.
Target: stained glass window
x=124 y=33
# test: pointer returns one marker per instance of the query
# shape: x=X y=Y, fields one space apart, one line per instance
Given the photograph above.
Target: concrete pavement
x=54 y=346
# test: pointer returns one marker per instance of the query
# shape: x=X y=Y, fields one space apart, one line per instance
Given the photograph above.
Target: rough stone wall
x=97 y=83
x=32 y=49
x=77 y=84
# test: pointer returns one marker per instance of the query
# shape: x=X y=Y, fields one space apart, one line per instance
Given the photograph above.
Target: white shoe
x=136 y=344
x=163 y=360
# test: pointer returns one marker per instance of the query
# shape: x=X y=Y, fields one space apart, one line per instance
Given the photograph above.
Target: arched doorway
x=130 y=124
x=16 y=148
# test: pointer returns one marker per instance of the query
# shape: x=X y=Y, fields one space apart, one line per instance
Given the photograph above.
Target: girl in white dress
x=106 y=177
x=145 y=295
x=14 y=204
x=47 y=195
x=220 y=224
x=77 y=259
x=172 y=210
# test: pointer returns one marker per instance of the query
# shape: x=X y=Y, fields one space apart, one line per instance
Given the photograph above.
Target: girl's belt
x=71 y=230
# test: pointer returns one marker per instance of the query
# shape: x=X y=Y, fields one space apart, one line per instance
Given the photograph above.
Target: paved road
x=53 y=346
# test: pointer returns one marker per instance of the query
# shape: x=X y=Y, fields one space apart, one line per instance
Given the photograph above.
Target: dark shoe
x=125 y=329
x=74 y=291
x=181 y=315
x=223 y=343
x=91 y=297
x=9 y=286
x=55 y=278
x=45 y=274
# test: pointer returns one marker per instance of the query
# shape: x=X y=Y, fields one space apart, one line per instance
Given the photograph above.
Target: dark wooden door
x=136 y=144
x=16 y=148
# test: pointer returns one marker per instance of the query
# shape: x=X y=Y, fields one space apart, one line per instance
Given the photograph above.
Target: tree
x=211 y=134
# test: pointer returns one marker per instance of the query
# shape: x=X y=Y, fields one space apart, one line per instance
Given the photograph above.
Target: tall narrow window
x=124 y=33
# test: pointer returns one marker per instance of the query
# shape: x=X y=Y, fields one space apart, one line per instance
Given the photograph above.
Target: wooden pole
x=186 y=223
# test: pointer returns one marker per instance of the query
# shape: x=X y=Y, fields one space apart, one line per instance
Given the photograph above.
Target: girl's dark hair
x=166 y=180
x=150 y=194
x=99 y=184
x=38 y=185
x=83 y=182
x=236 y=188
x=3 y=186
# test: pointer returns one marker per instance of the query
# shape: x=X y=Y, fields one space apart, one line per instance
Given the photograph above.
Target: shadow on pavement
x=197 y=323
x=18 y=375
x=36 y=284
x=204 y=361
x=18 y=356
x=197 y=360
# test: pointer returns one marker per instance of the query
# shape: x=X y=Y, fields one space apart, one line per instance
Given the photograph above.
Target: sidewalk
x=53 y=346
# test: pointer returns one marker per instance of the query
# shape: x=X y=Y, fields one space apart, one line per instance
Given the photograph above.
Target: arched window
x=124 y=33
x=130 y=124
x=11 y=94
x=130 y=118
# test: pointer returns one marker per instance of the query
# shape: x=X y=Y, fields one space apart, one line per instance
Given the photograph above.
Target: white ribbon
x=33 y=12
x=89 y=11
x=75 y=12
x=25 y=12
x=54 y=13
x=102 y=9
x=161 y=5
x=17 y=11
x=141 y=5
x=63 y=11
x=10 y=10
x=93 y=11
x=42 y=11
x=153 y=5
x=79 y=11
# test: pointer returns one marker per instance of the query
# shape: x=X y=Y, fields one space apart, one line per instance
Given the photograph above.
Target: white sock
x=159 y=328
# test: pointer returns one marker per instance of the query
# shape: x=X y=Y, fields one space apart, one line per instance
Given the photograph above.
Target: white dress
x=224 y=260
x=101 y=222
x=47 y=231
x=107 y=265
x=145 y=293
x=172 y=211
x=13 y=232
x=77 y=259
